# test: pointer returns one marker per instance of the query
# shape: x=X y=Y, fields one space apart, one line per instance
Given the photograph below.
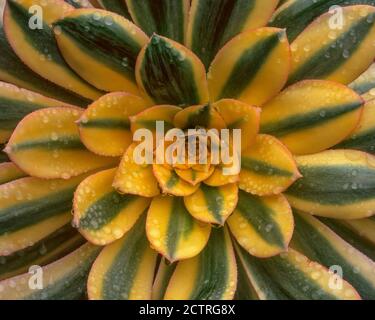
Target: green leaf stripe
x=315 y=118
x=180 y=225
x=167 y=76
x=248 y=65
x=213 y=272
x=335 y=184
x=55 y=246
x=260 y=217
x=104 y=210
x=215 y=23
x=27 y=213
x=164 y=17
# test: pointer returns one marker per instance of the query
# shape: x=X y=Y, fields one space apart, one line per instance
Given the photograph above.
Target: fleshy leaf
x=165 y=17
x=31 y=209
x=9 y=172
x=365 y=84
x=50 y=248
x=243 y=66
x=105 y=56
x=117 y=6
x=162 y=278
x=351 y=47
x=134 y=178
x=262 y=225
x=147 y=118
x=296 y=15
x=363 y=137
x=239 y=115
x=330 y=250
x=103 y=215
x=46 y=144
x=169 y=73
x=64 y=279
x=172 y=231
x=359 y=233
x=13 y=70
x=213 y=204
x=171 y=183
x=291 y=276
x=37 y=48
x=124 y=270
x=267 y=167
x=312 y=115
x=212 y=23
x=337 y=184
x=105 y=126
x=210 y=276
x=199 y=116
x=16 y=103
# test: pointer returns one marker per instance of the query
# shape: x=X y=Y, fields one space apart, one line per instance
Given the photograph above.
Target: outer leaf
x=291 y=276
x=37 y=48
x=365 y=83
x=162 y=278
x=31 y=209
x=49 y=249
x=210 y=276
x=173 y=232
x=3 y=155
x=330 y=250
x=46 y=144
x=117 y=6
x=64 y=279
x=124 y=270
x=312 y=115
x=263 y=226
x=79 y=3
x=337 y=184
x=102 y=214
x=165 y=17
x=212 y=23
x=267 y=167
x=351 y=47
x=16 y=103
x=171 y=74
x=246 y=63
x=296 y=15
x=213 y=204
x=359 y=233
x=9 y=172
x=363 y=137
x=13 y=70
x=105 y=126
x=105 y=56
